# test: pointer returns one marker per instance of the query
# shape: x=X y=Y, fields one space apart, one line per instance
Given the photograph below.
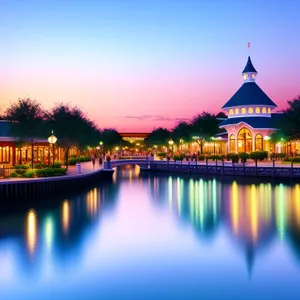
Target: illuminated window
x=250 y=110
x=253 y=76
x=257 y=110
x=231 y=111
x=269 y=110
x=245 y=76
x=232 y=144
x=244 y=140
x=236 y=111
x=264 y=110
x=258 y=142
x=243 y=110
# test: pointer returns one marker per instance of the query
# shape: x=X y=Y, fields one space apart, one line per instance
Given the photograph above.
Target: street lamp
x=102 y=146
x=171 y=143
x=52 y=140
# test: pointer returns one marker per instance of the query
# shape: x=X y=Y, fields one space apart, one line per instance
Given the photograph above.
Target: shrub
x=295 y=159
x=161 y=155
x=233 y=157
x=21 y=167
x=83 y=158
x=201 y=157
x=57 y=164
x=73 y=161
x=29 y=174
x=40 y=165
x=179 y=157
x=281 y=155
x=49 y=172
x=244 y=156
x=73 y=156
x=259 y=155
x=13 y=175
x=20 y=171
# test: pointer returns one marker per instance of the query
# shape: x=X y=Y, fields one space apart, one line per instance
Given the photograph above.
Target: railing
x=223 y=169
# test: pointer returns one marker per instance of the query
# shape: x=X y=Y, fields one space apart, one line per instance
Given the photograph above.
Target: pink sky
x=141 y=99
x=136 y=65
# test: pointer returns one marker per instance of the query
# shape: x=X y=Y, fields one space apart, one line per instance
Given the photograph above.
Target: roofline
x=222 y=126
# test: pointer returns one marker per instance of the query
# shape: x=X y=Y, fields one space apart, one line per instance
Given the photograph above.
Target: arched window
x=253 y=76
x=231 y=112
x=259 y=146
x=245 y=76
x=244 y=140
x=257 y=110
x=269 y=110
x=232 y=144
x=250 y=110
x=264 y=110
x=243 y=110
x=236 y=111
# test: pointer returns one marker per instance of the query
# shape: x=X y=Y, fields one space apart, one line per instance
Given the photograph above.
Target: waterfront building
x=251 y=119
x=12 y=152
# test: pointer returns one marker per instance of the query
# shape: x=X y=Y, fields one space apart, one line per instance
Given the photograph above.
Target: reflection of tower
x=250 y=256
x=249 y=215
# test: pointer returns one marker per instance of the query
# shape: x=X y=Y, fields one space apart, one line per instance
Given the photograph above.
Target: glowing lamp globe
x=52 y=139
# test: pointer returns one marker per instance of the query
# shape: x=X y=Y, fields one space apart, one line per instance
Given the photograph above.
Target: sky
x=135 y=65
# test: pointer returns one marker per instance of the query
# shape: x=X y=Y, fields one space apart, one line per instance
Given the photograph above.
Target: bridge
x=210 y=168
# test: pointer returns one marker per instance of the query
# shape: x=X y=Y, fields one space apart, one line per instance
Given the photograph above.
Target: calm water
x=156 y=237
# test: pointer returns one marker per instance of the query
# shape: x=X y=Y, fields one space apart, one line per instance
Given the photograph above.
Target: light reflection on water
x=146 y=234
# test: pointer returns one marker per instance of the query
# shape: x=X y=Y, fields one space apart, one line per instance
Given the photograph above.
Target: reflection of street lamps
x=171 y=143
x=52 y=140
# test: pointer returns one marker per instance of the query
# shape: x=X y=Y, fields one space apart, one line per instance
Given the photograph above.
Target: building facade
x=251 y=120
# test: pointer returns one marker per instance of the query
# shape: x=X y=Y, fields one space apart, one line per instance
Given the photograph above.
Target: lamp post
x=171 y=143
x=52 y=140
x=102 y=147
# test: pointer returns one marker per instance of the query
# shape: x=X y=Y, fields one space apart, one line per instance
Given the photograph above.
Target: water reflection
x=255 y=214
x=65 y=216
x=31 y=231
x=240 y=218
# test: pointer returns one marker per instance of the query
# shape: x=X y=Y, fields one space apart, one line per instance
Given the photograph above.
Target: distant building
x=251 y=120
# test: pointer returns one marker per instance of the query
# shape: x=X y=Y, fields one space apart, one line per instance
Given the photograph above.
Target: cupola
x=249 y=73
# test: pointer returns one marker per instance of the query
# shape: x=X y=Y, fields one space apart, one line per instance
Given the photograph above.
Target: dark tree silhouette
x=27 y=122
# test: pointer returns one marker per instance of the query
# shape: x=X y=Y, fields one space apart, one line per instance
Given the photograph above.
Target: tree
x=159 y=136
x=72 y=128
x=204 y=126
x=181 y=131
x=27 y=122
x=290 y=122
x=111 y=138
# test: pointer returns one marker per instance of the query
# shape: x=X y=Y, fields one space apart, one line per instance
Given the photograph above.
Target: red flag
x=248 y=45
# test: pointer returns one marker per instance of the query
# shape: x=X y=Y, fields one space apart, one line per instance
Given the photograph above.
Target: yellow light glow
x=254 y=212
x=235 y=207
x=65 y=216
x=31 y=231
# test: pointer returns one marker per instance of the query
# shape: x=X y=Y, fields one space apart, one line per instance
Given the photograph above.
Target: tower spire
x=249 y=73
